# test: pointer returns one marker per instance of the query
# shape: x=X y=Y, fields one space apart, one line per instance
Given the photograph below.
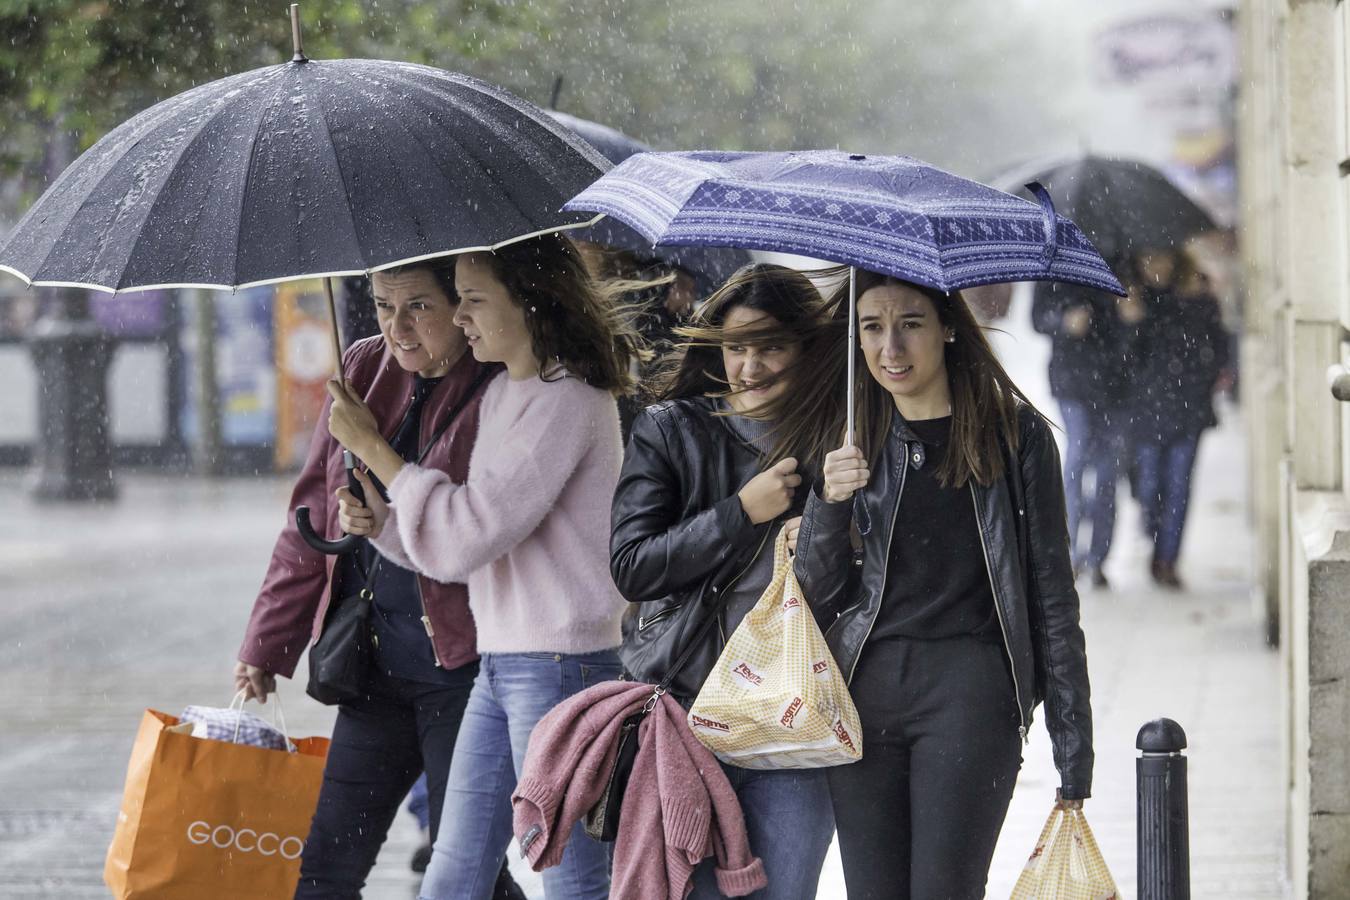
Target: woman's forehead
x=405 y=281
x=743 y=316
x=894 y=299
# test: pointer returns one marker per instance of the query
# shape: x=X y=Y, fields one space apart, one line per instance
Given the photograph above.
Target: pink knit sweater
x=529 y=528
x=678 y=809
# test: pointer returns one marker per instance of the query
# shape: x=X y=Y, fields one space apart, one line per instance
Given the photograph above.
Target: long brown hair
x=801 y=317
x=985 y=399
x=575 y=322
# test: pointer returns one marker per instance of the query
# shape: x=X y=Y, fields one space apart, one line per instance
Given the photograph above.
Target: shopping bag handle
x=278 y=718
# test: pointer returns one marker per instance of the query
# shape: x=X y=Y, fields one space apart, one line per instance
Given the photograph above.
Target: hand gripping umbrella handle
x=347 y=542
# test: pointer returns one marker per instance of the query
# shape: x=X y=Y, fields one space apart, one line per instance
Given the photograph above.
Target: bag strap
x=482 y=376
x=711 y=617
x=459 y=407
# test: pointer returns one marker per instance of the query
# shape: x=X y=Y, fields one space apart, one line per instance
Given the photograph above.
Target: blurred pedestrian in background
x=712 y=471
x=1094 y=338
x=526 y=529
x=1183 y=360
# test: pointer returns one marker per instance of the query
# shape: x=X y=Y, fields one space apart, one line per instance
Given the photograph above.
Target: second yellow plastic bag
x=1066 y=864
x=775 y=699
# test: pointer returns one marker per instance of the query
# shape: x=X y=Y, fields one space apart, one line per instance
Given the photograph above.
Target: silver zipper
x=885 y=562
x=646 y=622
x=426 y=621
x=998 y=614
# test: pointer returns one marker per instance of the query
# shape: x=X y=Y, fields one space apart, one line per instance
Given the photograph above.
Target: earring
x=951 y=339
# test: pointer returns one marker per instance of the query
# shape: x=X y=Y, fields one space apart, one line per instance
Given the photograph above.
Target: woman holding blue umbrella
x=965 y=615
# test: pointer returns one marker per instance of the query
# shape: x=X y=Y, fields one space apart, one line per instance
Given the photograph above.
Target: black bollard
x=72 y=459
x=1164 y=821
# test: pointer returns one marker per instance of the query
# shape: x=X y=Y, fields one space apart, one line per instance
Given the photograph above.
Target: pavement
x=109 y=609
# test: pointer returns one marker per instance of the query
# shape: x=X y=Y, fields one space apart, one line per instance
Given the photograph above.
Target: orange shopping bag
x=204 y=819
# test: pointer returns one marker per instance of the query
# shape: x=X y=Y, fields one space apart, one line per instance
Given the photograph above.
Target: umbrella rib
x=487 y=126
x=187 y=146
x=342 y=176
x=84 y=203
x=248 y=173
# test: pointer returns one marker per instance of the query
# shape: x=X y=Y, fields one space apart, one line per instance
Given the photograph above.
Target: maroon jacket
x=289 y=612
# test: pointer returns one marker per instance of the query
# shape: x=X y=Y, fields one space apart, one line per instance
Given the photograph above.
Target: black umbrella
x=302 y=170
x=1123 y=205
x=709 y=266
x=306 y=169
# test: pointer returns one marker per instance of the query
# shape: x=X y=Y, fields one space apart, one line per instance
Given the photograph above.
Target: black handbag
x=340 y=660
x=602 y=819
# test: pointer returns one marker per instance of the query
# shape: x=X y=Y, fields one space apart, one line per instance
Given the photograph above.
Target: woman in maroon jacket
x=411 y=376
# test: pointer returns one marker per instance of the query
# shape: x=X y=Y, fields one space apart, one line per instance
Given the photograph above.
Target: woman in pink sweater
x=527 y=531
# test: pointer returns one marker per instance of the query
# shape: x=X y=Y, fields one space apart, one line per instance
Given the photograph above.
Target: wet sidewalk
x=109 y=610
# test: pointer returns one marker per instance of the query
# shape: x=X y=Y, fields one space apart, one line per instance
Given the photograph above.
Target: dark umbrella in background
x=889 y=214
x=309 y=169
x=1123 y=205
x=708 y=266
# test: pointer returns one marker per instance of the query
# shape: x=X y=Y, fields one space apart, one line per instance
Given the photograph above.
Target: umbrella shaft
x=852 y=348
x=336 y=335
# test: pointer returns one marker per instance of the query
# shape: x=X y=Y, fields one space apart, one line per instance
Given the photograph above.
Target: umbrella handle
x=347 y=542
x=344 y=544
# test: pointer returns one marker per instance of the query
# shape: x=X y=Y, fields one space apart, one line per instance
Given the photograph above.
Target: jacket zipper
x=646 y=622
x=417 y=579
x=721 y=621
x=426 y=622
x=998 y=613
x=885 y=563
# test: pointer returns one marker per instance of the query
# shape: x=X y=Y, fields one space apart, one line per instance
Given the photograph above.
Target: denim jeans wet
x=790 y=823
x=1094 y=443
x=1164 y=483
x=513 y=691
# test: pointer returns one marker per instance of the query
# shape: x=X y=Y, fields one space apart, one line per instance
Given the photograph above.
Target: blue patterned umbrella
x=890 y=214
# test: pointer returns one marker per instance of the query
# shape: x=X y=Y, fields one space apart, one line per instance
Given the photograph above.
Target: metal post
x=1164 y=871
x=72 y=459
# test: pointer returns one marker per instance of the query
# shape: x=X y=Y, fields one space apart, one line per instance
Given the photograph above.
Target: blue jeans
x=790 y=822
x=419 y=803
x=513 y=691
x=1094 y=443
x=1164 y=482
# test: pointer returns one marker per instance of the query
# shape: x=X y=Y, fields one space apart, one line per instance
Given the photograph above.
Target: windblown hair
x=985 y=399
x=576 y=322
x=799 y=317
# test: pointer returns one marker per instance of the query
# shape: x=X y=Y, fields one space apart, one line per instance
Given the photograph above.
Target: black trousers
x=919 y=814
x=381 y=744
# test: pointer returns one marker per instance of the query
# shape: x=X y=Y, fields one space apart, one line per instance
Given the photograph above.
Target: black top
x=937 y=585
x=402 y=646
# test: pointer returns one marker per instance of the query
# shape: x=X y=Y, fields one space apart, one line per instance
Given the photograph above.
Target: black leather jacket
x=677 y=531
x=1025 y=539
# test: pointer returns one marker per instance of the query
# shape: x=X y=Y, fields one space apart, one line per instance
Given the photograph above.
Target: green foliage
x=871 y=75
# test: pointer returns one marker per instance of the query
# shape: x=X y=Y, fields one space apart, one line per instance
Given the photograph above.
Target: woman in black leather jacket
x=710 y=473
x=961 y=615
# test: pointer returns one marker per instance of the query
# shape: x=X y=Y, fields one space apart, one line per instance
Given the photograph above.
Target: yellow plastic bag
x=775 y=699
x=1066 y=864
